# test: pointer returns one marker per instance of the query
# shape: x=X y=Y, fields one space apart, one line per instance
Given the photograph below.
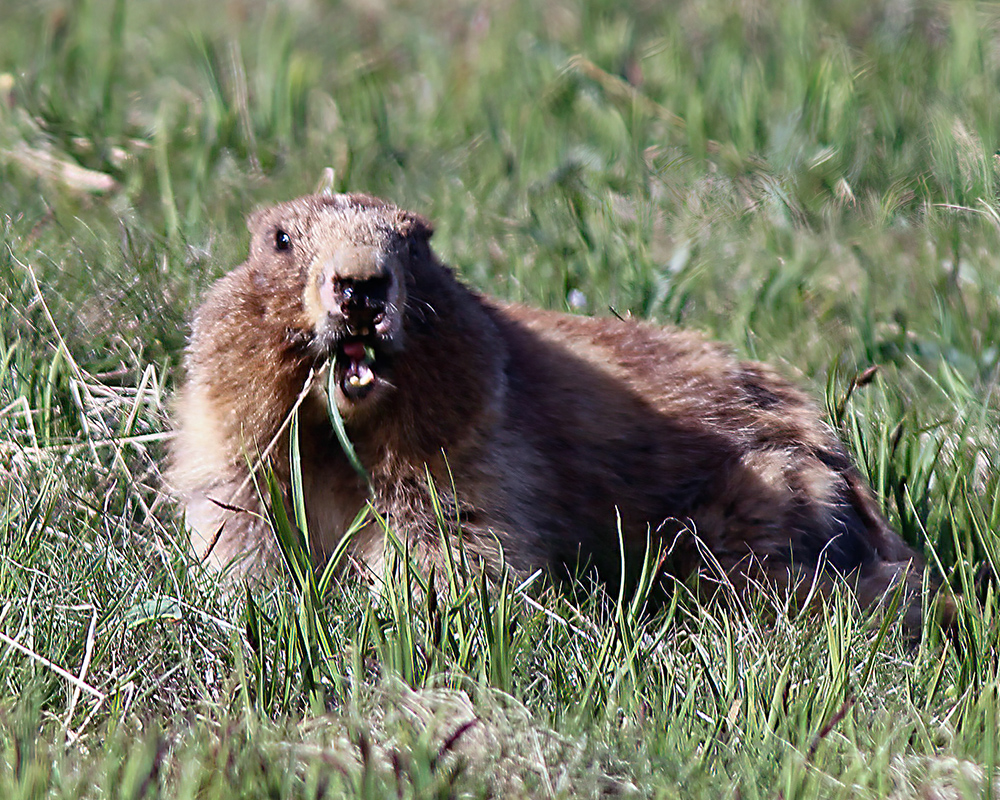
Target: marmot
x=554 y=430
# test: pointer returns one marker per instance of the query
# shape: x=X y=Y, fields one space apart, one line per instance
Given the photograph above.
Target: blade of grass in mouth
x=338 y=426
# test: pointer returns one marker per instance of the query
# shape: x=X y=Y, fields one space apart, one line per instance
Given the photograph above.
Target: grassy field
x=817 y=184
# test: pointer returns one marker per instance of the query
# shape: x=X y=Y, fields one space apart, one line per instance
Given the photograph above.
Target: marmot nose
x=362 y=303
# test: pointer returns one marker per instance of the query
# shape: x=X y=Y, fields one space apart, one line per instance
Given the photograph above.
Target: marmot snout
x=551 y=427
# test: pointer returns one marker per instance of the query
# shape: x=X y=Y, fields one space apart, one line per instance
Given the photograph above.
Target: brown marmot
x=550 y=427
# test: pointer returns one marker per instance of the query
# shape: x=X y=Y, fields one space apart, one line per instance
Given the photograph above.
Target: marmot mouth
x=355 y=367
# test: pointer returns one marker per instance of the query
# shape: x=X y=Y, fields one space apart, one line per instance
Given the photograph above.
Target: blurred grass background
x=814 y=183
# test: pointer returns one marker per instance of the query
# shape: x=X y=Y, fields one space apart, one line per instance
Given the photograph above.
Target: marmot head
x=350 y=257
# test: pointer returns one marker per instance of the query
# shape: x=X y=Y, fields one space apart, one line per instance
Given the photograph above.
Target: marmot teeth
x=363 y=377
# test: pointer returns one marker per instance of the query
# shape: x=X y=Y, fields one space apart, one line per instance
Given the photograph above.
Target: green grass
x=816 y=184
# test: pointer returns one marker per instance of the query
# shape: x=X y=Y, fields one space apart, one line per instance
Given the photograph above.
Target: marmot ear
x=415 y=226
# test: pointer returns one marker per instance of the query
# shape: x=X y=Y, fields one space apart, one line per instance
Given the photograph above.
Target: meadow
x=816 y=184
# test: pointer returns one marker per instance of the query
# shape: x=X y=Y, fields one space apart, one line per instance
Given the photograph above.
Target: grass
x=816 y=184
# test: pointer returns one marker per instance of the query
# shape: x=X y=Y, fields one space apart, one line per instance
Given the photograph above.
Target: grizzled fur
x=550 y=425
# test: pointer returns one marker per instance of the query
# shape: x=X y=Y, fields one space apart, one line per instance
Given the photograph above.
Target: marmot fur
x=550 y=427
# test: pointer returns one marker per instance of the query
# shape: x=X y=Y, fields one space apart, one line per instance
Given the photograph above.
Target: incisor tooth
x=365 y=379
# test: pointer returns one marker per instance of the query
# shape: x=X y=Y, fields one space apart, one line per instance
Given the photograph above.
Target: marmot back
x=551 y=426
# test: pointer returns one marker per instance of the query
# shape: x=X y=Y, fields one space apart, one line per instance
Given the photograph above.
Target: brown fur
x=549 y=424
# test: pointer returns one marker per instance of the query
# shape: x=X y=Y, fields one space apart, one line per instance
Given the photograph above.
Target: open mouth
x=355 y=365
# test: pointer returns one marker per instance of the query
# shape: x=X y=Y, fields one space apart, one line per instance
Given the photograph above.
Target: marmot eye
x=282 y=241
